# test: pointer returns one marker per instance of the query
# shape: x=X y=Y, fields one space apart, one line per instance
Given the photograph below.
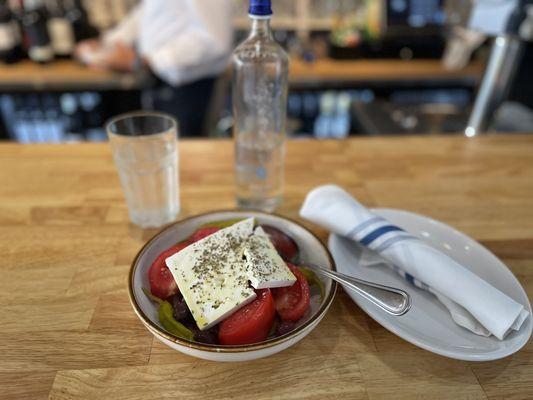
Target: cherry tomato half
x=293 y=301
x=162 y=283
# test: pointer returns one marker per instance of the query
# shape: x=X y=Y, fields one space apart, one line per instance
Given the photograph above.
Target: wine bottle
x=60 y=29
x=17 y=11
x=10 y=38
x=34 y=23
x=77 y=15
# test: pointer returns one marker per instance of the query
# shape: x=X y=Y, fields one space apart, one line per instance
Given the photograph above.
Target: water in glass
x=148 y=170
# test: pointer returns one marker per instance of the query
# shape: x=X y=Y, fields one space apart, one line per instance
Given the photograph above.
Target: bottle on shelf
x=91 y=106
x=310 y=110
x=34 y=22
x=101 y=17
x=36 y=117
x=77 y=15
x=53 y=124
x=8 y=114
x=260 y=80
x=340 y=124
x=10 y=38
x=60 y=29
x=71 y=110
x=324 y=120
x=17 y=10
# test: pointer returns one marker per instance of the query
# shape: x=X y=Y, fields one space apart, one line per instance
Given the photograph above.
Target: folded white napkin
x=473 y=303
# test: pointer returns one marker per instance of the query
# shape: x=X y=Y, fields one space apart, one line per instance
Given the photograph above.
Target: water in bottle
x=260 y=75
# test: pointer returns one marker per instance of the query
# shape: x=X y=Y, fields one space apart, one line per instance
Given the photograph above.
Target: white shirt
x=182 y=40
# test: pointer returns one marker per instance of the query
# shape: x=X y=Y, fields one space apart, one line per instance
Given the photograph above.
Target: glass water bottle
x=260 y=75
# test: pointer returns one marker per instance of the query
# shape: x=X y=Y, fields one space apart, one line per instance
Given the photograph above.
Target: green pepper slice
x=165 y=313
x=166 y=317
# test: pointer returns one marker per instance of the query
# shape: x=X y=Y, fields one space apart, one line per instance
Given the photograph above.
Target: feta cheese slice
x=210 y=274
x=264 y=267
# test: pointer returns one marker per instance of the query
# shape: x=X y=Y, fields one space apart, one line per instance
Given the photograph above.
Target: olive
x=284 y=244
x=181 y=311
x=285 y=327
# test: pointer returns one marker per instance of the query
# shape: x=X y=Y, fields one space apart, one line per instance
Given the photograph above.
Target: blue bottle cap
x=260 y=8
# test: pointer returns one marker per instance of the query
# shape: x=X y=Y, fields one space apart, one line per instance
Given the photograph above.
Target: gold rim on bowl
x=156 y=330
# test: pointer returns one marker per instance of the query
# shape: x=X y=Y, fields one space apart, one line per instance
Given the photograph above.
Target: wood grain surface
x=67 y=330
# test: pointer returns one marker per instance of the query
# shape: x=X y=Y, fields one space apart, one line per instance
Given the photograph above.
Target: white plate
x=428 y=324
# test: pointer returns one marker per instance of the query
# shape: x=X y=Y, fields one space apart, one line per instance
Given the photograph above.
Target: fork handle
x=392 y=300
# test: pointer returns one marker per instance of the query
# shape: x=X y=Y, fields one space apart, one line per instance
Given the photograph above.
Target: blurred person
x=185 y=43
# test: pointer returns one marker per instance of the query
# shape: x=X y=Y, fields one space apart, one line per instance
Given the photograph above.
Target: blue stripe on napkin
x=379 y=232
x=364 y=225
x=393 y=240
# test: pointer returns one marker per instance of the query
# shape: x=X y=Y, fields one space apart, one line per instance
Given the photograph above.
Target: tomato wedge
x=203 y=232
x=251 y=323
x=162 y=283
x=293 y=301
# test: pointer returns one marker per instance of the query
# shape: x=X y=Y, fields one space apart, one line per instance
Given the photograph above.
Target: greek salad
x=232 y=283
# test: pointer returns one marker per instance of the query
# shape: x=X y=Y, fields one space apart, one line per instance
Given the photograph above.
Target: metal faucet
x=515 y=26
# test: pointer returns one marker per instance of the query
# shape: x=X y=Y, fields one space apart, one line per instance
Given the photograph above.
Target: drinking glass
x=145 y=150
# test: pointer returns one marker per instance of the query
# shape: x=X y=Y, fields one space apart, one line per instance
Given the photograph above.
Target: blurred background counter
x=336 y=73
x=358 y=67
x=66 y=75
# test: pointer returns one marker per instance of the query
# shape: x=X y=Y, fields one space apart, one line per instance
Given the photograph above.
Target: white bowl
x=311 y=251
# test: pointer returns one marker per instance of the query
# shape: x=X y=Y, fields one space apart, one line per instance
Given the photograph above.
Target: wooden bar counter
x=67 y=330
